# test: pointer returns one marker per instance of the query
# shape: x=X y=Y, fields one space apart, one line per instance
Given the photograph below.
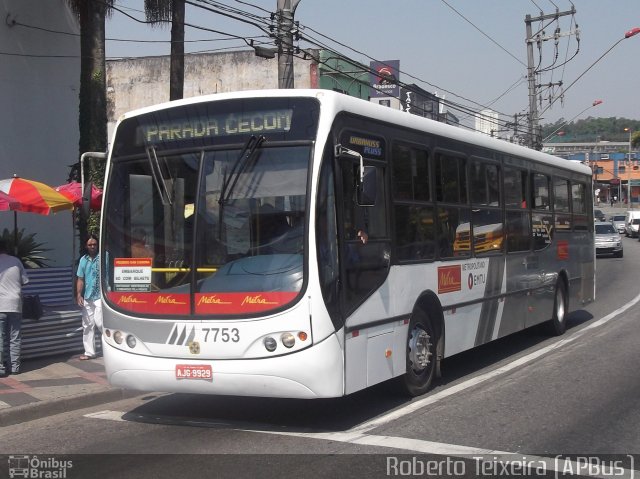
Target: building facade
x=134 y=83
x=487 y=122
x=39 y=94
x=615 y=166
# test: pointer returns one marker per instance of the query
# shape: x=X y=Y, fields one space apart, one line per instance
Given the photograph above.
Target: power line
x=254 y=6
x=130 y=40
x=316 y=42
x=264 y=25
x=450 y=105
x=233 y=13
x=483 y=33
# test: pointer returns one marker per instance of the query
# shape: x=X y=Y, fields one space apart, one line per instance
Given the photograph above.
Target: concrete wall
x=39 y=86
x=138 y=82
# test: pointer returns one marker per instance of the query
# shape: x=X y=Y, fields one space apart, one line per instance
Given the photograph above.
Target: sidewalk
x=54 y=385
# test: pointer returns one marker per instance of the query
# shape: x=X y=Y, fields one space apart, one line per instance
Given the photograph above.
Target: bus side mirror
x=368 y=186
x=366 y=179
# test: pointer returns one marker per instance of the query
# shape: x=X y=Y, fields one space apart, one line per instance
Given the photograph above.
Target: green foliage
x=29 y=250
x=591 y=129
x=158 y=12
x=92 y=96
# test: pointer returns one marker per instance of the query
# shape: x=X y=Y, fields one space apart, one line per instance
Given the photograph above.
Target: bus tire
x=557 y=325
x=421 y=355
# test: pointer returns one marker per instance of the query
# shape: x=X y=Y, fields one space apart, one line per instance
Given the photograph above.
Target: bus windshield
x=206 y=232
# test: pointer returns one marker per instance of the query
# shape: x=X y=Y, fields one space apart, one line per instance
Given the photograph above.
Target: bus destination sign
x=236 y=123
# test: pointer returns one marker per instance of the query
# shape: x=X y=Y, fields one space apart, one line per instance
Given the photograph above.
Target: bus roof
x=336 y=102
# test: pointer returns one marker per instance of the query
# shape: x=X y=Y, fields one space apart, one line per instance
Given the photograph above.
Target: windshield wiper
x=158 y=177
x=239 y=166
x=247 y=153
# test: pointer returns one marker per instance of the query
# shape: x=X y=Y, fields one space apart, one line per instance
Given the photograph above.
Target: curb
x=38 y=410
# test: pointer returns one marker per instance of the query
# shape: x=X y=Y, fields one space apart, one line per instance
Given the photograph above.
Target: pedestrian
x=12 y=277
x=88 y=296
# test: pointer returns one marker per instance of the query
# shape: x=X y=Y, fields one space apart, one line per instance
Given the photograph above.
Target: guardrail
x=59 y=330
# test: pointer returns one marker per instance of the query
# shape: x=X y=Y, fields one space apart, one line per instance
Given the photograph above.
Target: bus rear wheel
x=421 y=355
x=557 y=325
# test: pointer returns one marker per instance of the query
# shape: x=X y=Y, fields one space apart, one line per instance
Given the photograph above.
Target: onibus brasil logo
x=35 y=467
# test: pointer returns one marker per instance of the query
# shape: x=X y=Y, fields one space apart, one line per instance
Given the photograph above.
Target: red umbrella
x=8 y=202
x=73 y=192
x=35 y=197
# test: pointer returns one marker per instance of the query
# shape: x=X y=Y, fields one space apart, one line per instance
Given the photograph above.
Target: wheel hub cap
x=419 y=349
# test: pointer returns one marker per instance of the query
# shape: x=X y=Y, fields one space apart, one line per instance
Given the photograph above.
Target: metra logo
x=167 y=300
x=129 y=299
x=212 y=300
x=449 y=279
x=258 y=299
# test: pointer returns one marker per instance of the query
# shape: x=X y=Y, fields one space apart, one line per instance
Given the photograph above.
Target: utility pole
x=286 y=10
x=535 y=133
x=176 y=75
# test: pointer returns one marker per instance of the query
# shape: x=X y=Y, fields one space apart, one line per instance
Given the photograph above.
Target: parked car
x=598 y=215
x=631 y=223
x=608 y=240
x=618 y=222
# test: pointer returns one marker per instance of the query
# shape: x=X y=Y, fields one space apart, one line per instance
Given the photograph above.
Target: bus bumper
x=315 y=372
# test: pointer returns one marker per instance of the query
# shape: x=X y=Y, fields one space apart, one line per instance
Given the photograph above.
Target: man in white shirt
x=12 y=277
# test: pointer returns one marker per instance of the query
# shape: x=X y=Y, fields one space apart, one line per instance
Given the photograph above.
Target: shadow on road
x=340 y=414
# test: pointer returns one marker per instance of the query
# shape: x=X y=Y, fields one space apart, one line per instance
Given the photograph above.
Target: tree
x=163 y=11
x=635 y=139
x=93 y=96
x=591 y=129
x=28 y=250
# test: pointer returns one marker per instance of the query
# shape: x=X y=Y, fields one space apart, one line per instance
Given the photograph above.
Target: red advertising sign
x=206 y=303
x=563 y=250
x=449 y=279
x=142 y=302
x=239 y=303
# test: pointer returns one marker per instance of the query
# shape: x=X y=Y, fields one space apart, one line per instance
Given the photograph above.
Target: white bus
x=307 y=244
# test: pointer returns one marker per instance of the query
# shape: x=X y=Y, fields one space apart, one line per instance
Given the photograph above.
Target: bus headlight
x=131 y=341
x=117 y=337
x=270 y=344
x=288 y=340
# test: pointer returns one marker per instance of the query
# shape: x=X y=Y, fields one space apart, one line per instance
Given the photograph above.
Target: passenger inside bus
x=139 y=247
x=275 y=231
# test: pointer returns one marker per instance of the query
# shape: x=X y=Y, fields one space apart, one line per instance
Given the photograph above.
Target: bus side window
x=541 y=219
x=540 y=192
x=515 y=188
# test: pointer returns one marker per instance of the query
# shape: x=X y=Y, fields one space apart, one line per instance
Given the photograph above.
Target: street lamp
x=634 y=31
x=629 y=174
x=595 y=103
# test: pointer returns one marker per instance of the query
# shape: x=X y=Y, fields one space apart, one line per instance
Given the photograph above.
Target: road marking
x=358 y=434
x=482 y=459
x=434 y=398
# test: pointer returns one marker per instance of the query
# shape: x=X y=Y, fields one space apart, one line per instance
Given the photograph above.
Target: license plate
x=194 y=371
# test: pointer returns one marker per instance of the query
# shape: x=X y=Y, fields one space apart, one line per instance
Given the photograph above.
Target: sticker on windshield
x=132 y=274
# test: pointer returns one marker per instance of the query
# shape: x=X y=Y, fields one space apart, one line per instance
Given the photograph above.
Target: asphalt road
x=528 y=395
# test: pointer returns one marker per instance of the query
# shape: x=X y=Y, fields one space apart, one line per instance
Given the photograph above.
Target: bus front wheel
x=421 y=355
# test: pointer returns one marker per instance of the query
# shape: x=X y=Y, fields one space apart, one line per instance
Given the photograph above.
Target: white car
x=618 y=222
x=631 y=223
x=608 y=240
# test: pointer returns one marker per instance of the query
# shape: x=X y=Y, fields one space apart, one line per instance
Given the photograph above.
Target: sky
x=472 y=52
